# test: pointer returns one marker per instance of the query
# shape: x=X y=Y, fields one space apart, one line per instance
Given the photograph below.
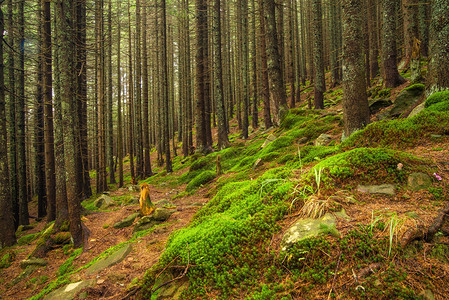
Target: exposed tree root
x=421 y=233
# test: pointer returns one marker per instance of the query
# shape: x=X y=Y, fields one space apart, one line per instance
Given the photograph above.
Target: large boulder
x=113 y=259
x=103 y=201
x=418 y=181
x=407 y=99
x=378 y=103
x=162 y=214
x=306 y=228
x=128 y=221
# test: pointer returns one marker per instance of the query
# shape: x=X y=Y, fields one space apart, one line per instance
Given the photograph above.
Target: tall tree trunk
x=389 y=54
x=255 y=90
x=67 y=15
x=119 y=100
x=355 y=104
x=201 y=76
x=424 y=16
x=130 y=100
x=20 y=119
x=12 y=115
x=146 y=133
x=223 y=140
x=50 y=179
x=277 y=89
x=439 y=36
x=38 y=142
x=373 y=39
x=7 y=232
x=138 y=98
x=318 y=64
x=265 y=88
x=110 y=135
x=62 y=210
x=165 y=96
x=81 y=54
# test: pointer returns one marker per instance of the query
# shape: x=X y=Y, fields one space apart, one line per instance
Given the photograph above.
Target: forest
x=207 y=149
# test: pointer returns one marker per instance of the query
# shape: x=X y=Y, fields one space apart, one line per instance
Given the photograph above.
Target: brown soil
x=112 y=282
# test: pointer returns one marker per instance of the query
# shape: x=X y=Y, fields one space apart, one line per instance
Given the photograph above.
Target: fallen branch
x=177 y=278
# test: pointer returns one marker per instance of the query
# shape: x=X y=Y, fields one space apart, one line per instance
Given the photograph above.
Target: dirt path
x=112 y=282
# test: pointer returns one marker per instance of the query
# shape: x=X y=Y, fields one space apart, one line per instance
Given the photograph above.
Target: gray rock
x=133 y=188
x=103 y=201
x=257 y=163
x=111 y=260
x=164 y=203
x=144 y=223
x=427 y=295
x=162 y=214
x=377 y=104
x=322 y=140
x=386 y=189
x=306 y=228
x=342 y=215
x=418 y=181
x=269 y=139
x=33 y=261
x=416 y=110
x=128 y=221
x=69 y=291
x=407 y=99
x=132 y=201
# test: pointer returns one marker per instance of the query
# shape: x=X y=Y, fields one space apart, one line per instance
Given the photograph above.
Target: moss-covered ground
x=224 y=242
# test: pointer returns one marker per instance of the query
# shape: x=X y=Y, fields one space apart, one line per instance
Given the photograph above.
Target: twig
x=335 y=276
x=179 y=277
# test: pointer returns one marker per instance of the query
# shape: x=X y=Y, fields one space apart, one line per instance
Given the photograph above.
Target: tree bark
x=355 y=103
x=318 y=64
x=277 y=89
x=389 y=54
x=7 y=232
x=439 y=35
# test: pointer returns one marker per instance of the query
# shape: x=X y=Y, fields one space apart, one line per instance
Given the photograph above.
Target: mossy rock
x=202 y=178
x=366 y=165
x=407 y=99
x=437 y=98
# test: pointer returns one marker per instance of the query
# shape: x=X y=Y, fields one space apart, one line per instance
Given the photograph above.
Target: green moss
x=416 y=87
x=27 y=239
x=400 y=133
x=67 y=266
x=367 y=165
x=438 y=101
x=202 y=178
x=7 y=259
x=313 y=153
x=385 y=93
x=224 y=238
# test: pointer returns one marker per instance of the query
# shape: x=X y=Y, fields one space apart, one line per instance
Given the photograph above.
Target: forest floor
x=114 y=282
x=111 y=282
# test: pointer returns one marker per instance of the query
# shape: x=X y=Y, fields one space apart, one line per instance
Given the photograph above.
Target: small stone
x=322 y=140
x=128 y=221
x=100 y=281
x=387 y=189
x=427 y=295
x=417 y=110
x=436 y=136
x=257 y=163
x=103 y=201
x=412 y=214
x=418 y=181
